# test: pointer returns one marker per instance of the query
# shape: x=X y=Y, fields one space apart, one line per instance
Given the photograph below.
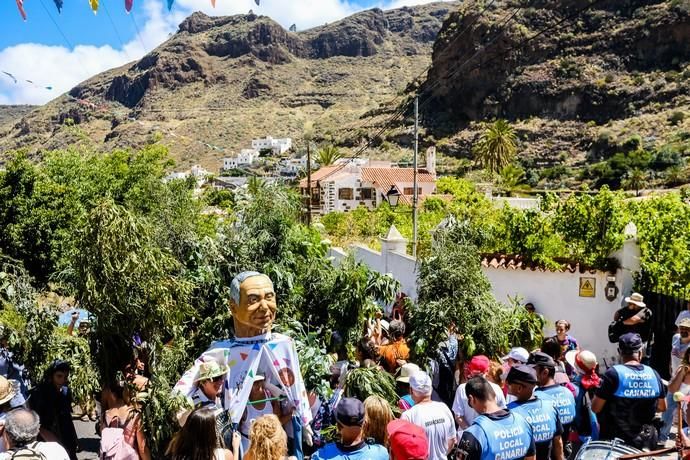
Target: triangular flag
x=256 y=347
x=20 y=6
x=58 y=4
x=128 y=5
x=94 y=5
x=276 y=363
x=213 y=3
x=287 y=361
x=170 y=3
x=232 y=363
x=272 y=346
x=243 y=356
x=251 y=374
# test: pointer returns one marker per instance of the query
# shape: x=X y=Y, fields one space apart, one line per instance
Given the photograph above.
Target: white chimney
x=431 y=160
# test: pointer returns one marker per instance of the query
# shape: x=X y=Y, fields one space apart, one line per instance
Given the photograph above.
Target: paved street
x=88 y=440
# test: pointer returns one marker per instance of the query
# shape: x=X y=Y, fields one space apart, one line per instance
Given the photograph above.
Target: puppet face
x=257 y=309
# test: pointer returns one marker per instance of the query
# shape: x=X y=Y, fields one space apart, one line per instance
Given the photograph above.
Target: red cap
x=407 y=441
x=479 y=364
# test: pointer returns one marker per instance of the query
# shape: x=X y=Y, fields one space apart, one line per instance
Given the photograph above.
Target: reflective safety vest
x=563 y=400
x=637 y=384
x=541 y=414
x=508 y=438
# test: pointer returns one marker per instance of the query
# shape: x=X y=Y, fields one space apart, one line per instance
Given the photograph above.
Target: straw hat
x=582 y=361
x=209 y=370
x=406 y=371
x=7 y=390
x=636 y=298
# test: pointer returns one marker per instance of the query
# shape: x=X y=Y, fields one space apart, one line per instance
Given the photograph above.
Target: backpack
x=113 y=445
x=27 y=453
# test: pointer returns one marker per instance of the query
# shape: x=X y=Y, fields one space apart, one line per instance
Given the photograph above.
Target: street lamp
x=393 y=196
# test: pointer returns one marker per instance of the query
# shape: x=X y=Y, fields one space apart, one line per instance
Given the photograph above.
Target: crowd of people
x=539 y=404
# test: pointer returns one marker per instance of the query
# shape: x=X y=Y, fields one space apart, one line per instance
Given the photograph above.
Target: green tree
x=635 y=180
x=512 y=180
x=328 y=155
x=496 y=146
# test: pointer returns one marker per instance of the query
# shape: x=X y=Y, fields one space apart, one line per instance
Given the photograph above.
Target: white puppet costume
x=273 y=355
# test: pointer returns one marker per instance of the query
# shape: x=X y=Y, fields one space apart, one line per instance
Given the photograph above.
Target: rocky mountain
x=579 y=80
x=9 y=113
x=221 y=81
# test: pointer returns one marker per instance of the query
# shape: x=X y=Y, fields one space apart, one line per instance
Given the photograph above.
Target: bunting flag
x=213 y=3
x=20 y=6
x=11 y=76
x=94 y=5
x=128 y=5
x=170 y=3
x=58 y=4
x=257 y=2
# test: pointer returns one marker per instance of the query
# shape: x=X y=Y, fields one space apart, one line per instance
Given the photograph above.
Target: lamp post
x=392 y=196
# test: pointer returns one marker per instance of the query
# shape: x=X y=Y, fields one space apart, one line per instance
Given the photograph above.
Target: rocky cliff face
x=608 y=68
x=226 y=80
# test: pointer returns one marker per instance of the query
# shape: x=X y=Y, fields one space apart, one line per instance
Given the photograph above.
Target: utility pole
x=308 y=181
x=415 y=195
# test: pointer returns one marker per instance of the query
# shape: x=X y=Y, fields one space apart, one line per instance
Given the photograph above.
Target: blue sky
x=79 y=44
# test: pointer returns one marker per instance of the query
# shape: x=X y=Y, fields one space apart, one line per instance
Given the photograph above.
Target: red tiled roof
x=518 y=262
x=384 y=178
x=320 y=174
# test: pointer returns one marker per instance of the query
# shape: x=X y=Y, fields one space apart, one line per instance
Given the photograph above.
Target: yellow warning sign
x=588 y=287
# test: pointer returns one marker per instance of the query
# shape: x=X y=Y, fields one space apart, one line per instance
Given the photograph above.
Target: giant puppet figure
x=254 y=350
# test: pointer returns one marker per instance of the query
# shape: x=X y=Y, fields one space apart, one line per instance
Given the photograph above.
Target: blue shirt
x=501 y=435
x=362 y=451
x=542 y=415
x=563 y=400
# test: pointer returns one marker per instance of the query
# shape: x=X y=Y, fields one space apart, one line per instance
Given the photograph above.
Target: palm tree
x=328 y=155
x=512 y=180
x=636 y=180
x=496 y=147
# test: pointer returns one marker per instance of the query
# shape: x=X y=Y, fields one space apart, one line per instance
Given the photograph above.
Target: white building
x=346 y=186
x=246 y=157
x=278 y=146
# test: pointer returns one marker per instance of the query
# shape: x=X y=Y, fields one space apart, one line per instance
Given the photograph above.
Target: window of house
x=410 y=191
x=345 y=194
x=367 y=194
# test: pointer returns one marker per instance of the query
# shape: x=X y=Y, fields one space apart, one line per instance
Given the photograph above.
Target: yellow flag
x=94 y=6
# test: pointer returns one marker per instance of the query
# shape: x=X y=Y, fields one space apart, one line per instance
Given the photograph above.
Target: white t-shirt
x=462 y=409
x=51 y=450
x=438 y=423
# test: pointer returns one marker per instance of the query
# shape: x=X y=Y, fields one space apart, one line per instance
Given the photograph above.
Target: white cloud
x=63 y=68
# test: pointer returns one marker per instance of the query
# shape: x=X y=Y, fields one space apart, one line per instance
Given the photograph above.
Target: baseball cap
x=522 y=373
x=479 y=364
x=350 y=412
x=407 y=440
x=685 y=322
x=420 y=383
x=630 y=342
x=517 y=354
x=539 y=358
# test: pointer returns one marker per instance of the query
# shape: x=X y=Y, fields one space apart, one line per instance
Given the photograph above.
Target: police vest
x=637 y=384
x=508 y=438
x=563 y=401
x=541 y=414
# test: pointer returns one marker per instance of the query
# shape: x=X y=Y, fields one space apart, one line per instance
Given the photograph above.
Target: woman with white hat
x=586 y=381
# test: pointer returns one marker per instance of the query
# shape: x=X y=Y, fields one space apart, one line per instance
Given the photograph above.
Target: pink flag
x=213 y=3
x=20 y=5
x=128 y=5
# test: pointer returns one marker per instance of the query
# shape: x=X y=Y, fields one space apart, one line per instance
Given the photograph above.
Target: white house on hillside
x=346 y=186
x=278 y=146
x=246 y=157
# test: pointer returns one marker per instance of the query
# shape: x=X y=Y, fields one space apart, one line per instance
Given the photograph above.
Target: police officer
x=496 y=433
x=629 y=396
x=538 y=409
x=563 y=398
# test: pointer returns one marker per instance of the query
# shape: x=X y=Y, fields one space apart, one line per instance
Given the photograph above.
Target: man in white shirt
x=434 y=417
x=464 y=415
x=21 y=431
x=679 y=345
